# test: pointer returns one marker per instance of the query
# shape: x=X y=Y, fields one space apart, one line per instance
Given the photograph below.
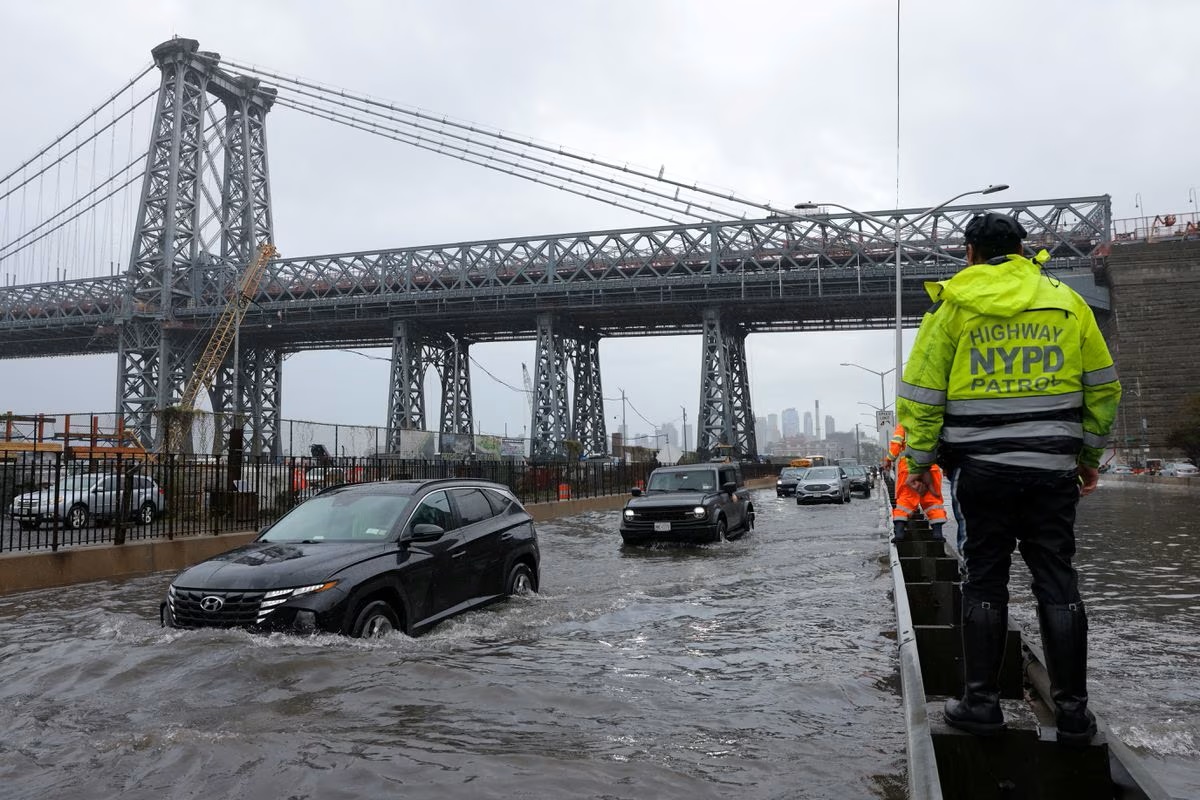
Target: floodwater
x=760 y=668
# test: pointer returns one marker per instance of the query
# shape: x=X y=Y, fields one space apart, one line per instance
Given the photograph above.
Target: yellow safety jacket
x=1009 y=369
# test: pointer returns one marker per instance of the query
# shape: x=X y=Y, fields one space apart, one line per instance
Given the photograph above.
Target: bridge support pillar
x=549 y=426
x=726 y=424
x=406 y=392
x=454 y=369
x=587 y=415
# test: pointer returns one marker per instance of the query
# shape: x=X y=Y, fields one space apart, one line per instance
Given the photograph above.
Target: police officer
x=1011 y=382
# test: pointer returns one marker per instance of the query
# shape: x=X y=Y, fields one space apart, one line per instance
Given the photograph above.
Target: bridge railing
x=1159 y=228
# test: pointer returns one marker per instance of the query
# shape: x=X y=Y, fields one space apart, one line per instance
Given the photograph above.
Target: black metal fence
x=50 y=501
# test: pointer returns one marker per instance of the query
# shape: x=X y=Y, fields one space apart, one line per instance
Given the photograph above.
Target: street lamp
x=882 y=395
x=897 y=226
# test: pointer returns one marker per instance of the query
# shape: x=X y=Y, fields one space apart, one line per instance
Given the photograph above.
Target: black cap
x=993 y=228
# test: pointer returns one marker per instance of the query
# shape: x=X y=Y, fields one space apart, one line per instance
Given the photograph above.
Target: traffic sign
x=885 y=418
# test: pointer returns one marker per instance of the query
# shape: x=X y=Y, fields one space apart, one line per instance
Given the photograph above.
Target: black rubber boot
x=900 y=530
x=937 y=532
x=984 y=632
x=1064 y=639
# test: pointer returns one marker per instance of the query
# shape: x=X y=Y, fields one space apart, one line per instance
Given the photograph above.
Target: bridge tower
x=180 y=226
x=726 y=419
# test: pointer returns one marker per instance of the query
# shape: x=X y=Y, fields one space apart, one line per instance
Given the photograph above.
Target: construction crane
x=227 y=326
x=528 y=388
x=217 y=349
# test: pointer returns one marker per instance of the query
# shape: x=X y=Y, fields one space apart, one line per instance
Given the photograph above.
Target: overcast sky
x=784 y=101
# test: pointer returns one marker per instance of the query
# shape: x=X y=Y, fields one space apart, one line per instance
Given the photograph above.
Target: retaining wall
x=26 y=571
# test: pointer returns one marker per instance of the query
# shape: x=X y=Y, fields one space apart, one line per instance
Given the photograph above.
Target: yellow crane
x=223 y=335
x=218 y=344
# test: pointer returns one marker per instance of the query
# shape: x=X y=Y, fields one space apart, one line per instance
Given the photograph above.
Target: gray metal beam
x=587 y=413
x=726 y=421
x=549 y=426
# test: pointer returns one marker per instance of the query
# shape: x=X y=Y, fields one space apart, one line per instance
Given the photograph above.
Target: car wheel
x=520 y=580
x=376 y=620
x=146 y=513
x=750 y=518
x=77 y=517
x=26 y=526
x=722 y=530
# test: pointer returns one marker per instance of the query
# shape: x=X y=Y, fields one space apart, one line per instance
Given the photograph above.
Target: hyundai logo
x=212 y=604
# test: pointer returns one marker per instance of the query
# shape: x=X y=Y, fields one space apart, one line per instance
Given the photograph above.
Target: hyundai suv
x=367 y=559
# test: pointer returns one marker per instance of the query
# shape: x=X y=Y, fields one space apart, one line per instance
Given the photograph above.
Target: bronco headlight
x=778 y=482
x=630 y=513
x=699 y=512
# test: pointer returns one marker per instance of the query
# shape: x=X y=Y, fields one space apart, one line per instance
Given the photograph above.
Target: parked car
x=785 y=485
x=1120 y=469
x=367 y=559
x=693 y=503
x=1179 y=470
x=824 y=485
x=860 y=479
x=81 y=497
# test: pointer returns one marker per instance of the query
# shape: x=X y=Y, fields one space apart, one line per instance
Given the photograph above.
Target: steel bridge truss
x=726 y=421
x=180 y=224
x=817 y=247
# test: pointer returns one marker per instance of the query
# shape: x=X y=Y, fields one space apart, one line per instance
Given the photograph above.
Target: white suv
x=1179 y=470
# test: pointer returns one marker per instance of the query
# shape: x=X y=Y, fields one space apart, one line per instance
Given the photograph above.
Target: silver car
x=823 y=485
x=79 y=498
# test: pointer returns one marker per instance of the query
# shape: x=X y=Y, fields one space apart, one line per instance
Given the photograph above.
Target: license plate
x=662 y=527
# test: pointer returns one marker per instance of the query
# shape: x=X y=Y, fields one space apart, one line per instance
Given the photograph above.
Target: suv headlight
x=699 y=512
x=779 y=481
x=630 y=513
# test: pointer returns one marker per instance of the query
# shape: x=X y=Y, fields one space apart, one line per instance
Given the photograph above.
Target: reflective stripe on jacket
x=1008 y=368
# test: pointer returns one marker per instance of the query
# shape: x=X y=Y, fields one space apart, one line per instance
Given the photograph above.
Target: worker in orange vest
x=909 y=499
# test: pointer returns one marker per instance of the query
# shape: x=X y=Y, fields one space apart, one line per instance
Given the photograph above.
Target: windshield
x=793 y=472
x=823 y=474
x=79 y=480
x=696 y=480
x=859 y=471
x=340 y=517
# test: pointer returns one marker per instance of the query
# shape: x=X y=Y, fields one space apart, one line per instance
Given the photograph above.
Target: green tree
x=1186 y=433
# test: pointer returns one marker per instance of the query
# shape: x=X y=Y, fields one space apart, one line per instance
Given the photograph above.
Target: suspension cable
x=65 y=209
x=127 y=183
x=724 y=213
x=65 y=155
x=81 y=122
x=560 y=150
x=483 y=163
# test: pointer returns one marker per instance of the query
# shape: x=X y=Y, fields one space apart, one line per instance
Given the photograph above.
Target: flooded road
x=759 y=668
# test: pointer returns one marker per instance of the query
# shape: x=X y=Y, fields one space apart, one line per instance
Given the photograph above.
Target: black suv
x=366 y=559
x=694 y=503
x=860 y=479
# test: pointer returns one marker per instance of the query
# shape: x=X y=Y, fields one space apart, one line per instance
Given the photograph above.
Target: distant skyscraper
x=760 y=431
x=670 y=435
x=689 y=441
x=791 y=423
x=828 y=425
x=773 y=428
x=808 y=423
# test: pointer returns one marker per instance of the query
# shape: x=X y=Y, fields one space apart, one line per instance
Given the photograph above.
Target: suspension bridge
x=110 y=245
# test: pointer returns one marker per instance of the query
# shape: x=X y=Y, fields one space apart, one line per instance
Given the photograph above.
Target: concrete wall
x=25 y=571
x=1153 y=333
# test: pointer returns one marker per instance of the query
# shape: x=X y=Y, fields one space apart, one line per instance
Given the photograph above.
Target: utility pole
x=624 y=433
x=857 y=457
x=684 y=410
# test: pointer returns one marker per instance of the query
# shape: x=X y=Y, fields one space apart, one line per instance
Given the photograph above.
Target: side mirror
x=729 y=487
x=636 y=492
x=426 y=532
